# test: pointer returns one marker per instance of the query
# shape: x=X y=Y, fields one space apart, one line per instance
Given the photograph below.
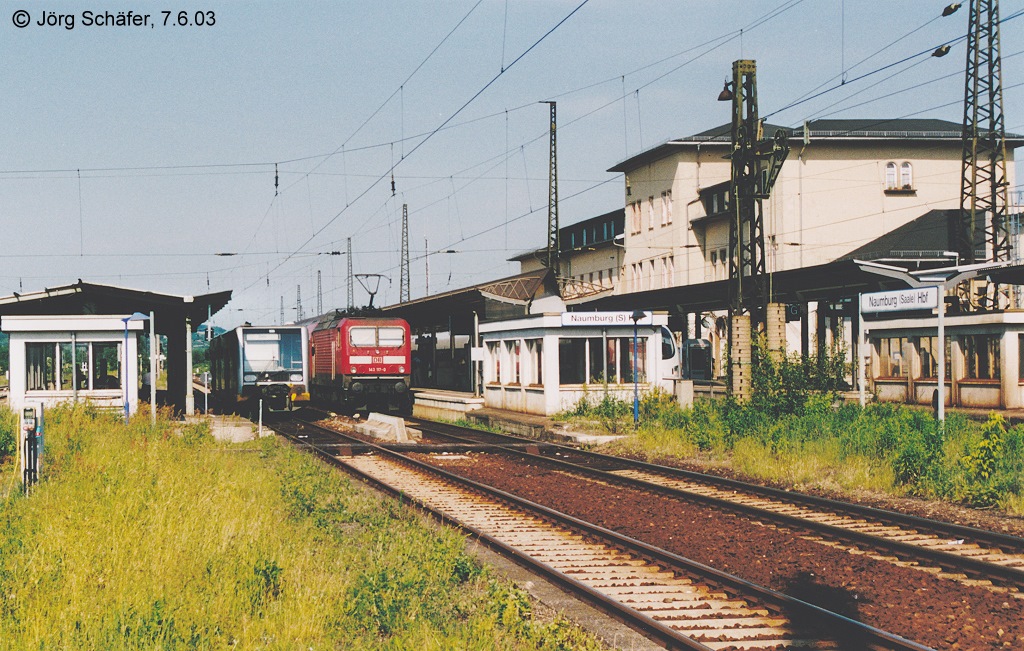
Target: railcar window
x=668 y=344
x=363 y=336
x=391 y=337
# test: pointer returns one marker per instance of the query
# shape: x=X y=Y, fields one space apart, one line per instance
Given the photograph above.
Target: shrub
x=9 y=432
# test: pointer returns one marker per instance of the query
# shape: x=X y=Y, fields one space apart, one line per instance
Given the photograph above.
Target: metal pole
x=190 y=398
x=942 y=356
x=604 y=359
x=636 y=382
x=153 y=363
x=261 y=419
x=861 y=349
x=124 y=371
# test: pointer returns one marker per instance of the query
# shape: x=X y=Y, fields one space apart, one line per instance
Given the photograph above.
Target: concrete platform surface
x=536 y=426
x=233 y=429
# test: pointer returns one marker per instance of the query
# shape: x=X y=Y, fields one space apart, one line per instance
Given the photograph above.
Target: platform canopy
x=826 y=282
x=176 y=317
x=497 y=299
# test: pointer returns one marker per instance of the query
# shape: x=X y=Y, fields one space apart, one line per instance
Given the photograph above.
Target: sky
x=241 y=148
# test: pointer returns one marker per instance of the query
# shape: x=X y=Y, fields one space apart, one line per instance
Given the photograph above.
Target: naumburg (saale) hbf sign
x=922 y=298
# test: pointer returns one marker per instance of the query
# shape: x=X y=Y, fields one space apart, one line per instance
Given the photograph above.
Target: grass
x=888 y=448
x=143 y=538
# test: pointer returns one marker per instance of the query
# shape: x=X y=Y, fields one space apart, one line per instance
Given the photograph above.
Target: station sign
x=922 y=298
x=604 y=319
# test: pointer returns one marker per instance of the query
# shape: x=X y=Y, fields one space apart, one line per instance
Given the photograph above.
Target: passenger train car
x=268 y=363
x=361 y=362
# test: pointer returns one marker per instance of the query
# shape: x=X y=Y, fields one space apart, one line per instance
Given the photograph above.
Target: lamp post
x=137 y=316
x=636 y=316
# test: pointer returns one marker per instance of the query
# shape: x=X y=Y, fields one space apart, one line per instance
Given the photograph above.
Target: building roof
x=922 y=240
x=832 y=130
x=91 y=298
x=460 y=304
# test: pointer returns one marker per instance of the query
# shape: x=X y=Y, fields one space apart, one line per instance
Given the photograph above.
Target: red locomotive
x=361 y=362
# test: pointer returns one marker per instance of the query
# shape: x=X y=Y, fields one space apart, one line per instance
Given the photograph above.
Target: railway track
x=971 y=556
x=669 y=598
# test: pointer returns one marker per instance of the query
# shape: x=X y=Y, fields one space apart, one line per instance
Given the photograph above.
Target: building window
x=981 y=353
x=634 y=211
x=891 y=363
x=49 y=366
x=535 y=350
x=512 y=350
x=890 y=176
x=650 y=212
x=572 y=361
x=671 y=271
x=666 y=208
x=928 y=351
x=626 y=360
x=906 y=176
x=40 y=367
x=494 y=353
x=1020 y=357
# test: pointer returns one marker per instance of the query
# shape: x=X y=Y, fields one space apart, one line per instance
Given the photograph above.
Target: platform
x=439 y=404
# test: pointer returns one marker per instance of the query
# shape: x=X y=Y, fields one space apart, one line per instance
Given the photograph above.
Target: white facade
x=56 y=359
x=835 y=193
x=538 y=365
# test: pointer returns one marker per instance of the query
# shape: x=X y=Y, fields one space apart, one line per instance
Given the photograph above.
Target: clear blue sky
x=131 y=155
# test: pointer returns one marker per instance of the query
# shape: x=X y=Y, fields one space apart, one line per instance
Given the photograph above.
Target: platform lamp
x=636 y=316
x=137 y=316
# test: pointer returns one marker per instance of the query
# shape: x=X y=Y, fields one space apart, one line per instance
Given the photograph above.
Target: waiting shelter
x=546 y=363
x=175 y=317
x=65 y=358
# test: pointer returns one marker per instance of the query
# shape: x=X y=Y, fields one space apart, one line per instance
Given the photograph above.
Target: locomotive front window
x=291 y=351
x=264 y=352
x=391 y=337
x=363 y=336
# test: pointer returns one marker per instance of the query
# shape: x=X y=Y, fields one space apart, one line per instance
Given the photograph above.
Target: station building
x=882 y=190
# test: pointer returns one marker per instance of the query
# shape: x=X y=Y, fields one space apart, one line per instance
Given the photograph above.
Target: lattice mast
x=756 y=163
x=403 y=284
x=552 y=260
x=351 y=289
x=984 y=185
x=319 y=294
x=299 y=315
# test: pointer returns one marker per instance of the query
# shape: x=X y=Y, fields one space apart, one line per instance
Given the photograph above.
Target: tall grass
x=825 y=443
x=141 y=537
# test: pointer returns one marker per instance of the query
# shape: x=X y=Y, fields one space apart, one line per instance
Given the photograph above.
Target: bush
x=9 y=431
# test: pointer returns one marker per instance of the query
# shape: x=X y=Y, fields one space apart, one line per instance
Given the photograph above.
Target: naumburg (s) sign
x=604 y=319
x=922 y=298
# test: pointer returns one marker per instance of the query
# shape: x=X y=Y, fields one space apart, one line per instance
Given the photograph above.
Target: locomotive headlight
x=401 y=369
x=354 y=370
x=295 y=377
x=249 y=377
